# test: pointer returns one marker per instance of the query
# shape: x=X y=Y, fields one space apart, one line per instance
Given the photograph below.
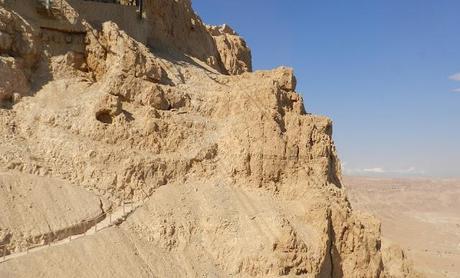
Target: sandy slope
x=35 y=210
x=421 y=215
x=240 y=179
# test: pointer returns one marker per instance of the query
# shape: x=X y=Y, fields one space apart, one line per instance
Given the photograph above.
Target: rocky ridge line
x=124 y=118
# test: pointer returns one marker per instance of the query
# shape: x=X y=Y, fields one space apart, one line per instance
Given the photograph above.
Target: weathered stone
x=238 y=180
x=107 y=107
x=233 y=50
x=13 y=82
x=5 y=42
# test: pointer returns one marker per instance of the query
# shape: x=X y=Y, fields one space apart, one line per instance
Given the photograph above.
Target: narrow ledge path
x=115 y=217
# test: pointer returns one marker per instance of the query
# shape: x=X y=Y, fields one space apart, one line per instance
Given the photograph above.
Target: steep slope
x=240 y=180
x=33 y=207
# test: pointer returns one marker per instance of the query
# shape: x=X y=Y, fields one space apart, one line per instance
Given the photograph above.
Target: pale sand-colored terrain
x=421 y=215
x=232 y=176
x=34 y=206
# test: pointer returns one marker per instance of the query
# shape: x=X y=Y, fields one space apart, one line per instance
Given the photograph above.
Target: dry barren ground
x=420 y=215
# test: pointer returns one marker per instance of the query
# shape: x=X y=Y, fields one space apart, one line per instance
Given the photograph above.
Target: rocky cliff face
x=233 y=51
x=238 y=178
x=19 y=48
x=174 y=24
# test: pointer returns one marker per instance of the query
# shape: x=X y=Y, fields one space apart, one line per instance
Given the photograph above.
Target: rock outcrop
x=13 y=82
x=18 y=38
x=174 y=24
x=397 y=264
x=234 y=53
x=239 y=179
x=19 y=52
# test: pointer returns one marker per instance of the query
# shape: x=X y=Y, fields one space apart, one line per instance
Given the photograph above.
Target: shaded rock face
x=239 y=179
x=175 y=24
x=233 y=50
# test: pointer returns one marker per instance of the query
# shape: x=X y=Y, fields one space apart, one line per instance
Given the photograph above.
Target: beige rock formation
x=234 y=53
x=396 y=263
x=239 y=179
x=175 y=25
x=18 y=38
x=13 y=82
x=18 y=53
x=33 y=207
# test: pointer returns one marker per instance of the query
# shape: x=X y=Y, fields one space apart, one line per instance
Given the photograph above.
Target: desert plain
x=422 y=215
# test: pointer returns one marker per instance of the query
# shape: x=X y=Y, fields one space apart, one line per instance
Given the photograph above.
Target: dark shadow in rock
x=104 y=117
x=175 y=56
x=7 y=103
x=129 y=116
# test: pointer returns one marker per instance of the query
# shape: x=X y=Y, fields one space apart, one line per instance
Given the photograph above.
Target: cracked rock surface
x=240 y=179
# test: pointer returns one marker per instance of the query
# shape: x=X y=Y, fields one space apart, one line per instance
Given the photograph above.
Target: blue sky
x=379 y=69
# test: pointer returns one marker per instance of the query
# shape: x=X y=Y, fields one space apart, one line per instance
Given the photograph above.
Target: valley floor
x=420 y=215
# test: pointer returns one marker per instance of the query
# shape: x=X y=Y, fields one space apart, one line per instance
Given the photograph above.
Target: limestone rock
x=397 y=264
x=107 y=107
x=175 y=25
x=69 y=65
x=18 y=38
x=286 y=79
x=238 y=179
x=19 y=50
x=233 y=50
x=28 y=199
x=13 y=82
x=111 y=52
x=6 y=41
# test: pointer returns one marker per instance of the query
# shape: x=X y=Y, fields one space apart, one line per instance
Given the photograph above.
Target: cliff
x=236 y=177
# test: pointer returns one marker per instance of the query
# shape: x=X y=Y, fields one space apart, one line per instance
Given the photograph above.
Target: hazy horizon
x=386 y=72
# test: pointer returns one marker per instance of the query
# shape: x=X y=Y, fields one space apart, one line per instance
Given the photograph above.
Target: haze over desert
x=420 y=214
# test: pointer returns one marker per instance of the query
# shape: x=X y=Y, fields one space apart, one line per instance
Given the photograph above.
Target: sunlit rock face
x=237 y=178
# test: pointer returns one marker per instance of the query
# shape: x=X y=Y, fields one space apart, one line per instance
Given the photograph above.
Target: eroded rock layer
x=238 y=178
